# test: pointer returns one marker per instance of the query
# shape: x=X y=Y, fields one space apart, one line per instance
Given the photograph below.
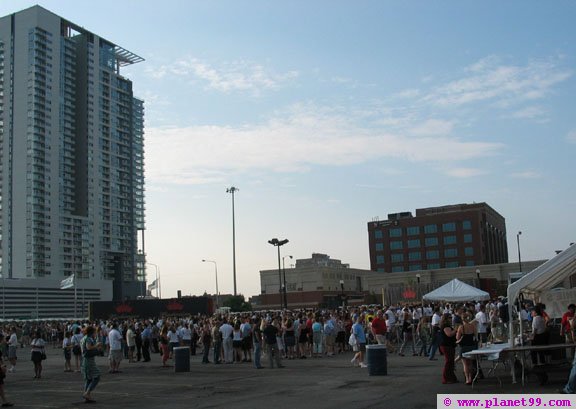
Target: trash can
x=181 y=359
x=376 y=359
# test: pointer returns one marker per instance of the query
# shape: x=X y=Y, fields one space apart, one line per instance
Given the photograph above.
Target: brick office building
x=438 y=237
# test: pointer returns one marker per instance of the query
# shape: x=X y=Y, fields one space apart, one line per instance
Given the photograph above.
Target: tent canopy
x=546 y=276
x=456 y=290
x=543 y=278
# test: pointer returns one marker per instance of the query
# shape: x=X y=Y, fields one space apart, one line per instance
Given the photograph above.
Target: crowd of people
x=452 y=329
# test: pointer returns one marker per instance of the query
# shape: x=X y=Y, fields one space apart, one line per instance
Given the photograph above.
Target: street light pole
x=519 y=258
x=478 y=277
x=233 y=190
x=277 y=243
x=285 y=288
x=216 y=273
x=342 y=294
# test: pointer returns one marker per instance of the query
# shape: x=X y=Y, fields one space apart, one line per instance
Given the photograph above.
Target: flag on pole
x=67 y=283
x=153 y=285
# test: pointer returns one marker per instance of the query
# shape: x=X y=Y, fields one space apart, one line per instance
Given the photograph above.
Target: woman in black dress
x=448 y=348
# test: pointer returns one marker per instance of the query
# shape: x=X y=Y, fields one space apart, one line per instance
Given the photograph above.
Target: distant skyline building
x=319 y=281
x=72 y=157
x=438 y=237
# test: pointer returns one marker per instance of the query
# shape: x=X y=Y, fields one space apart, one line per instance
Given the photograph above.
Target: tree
x=237 y=303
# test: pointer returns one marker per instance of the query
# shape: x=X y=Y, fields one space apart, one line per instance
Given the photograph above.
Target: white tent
x=456 y=290
x=544 y=278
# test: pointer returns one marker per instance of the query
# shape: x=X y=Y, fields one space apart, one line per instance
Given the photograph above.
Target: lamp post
x=418 y=288
x=478 y=277
x=3 y=298
x=284 y=281
x=158 y=292
x=216 y=273
x=277 y=243
x=233 y=190
x=342 y=294
x=519 y=258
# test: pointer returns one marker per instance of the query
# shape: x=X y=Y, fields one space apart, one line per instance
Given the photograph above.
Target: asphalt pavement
x=328 y=382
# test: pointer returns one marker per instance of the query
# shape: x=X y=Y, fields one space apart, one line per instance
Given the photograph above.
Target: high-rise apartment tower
x=71 y=155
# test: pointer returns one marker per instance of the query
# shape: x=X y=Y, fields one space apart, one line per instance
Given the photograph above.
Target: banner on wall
x=557 y=301
x=151 y=308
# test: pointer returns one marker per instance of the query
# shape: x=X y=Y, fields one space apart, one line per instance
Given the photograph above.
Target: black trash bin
x=181 y=359
x=376 y=359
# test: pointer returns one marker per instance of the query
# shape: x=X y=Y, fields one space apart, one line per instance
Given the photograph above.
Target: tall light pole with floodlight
x=278 y=243
x=216 y=274
x=233 y=190
x=284 y=279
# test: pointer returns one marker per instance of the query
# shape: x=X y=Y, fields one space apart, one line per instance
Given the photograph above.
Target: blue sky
x=328 y=114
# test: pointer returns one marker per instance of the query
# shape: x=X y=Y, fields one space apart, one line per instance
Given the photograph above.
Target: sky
x=329 y=114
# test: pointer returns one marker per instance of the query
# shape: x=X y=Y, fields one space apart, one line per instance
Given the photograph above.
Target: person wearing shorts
x=115 y=356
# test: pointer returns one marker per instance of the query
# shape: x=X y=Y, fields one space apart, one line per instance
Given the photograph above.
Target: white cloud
x=488 y=80
x=465 y=172
x=527 y=174
x=302 y=138
x=571 y=137
x=408 y=93
x=432 y=127
x=226 y=76
x=536 y=113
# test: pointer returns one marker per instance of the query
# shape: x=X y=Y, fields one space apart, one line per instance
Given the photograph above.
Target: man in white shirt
x=482 y=322
x=12 y=346
x=226 y=330
x=115 y=355
x=436 y=334
x=131 y=343
x=185 y=335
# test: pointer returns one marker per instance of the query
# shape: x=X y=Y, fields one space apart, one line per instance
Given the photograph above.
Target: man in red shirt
x=566 y=324
x=379 y=328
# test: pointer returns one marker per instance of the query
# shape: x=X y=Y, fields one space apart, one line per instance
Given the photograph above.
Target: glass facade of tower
x=71 y=155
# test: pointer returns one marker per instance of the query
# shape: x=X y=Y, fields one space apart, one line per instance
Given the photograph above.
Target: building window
x=396 y=245
x=397 y=258
x=451 y=253
x=413 y=244
x=414 y=256
x=415 y=267
x=468 y=238
x=378 y=234
x=381 y=269
x=432 y=254
x=449 y=240
x=380 y=260
x=466 y=225
x=468 y=251
x=452 y=264
x=396 y=232
x=430 y=228
x=432 y=266
x=449 y=227
x=431 y=241
x=397 y=269
x=379 y=246
x=470 y=263
x=413 y=231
